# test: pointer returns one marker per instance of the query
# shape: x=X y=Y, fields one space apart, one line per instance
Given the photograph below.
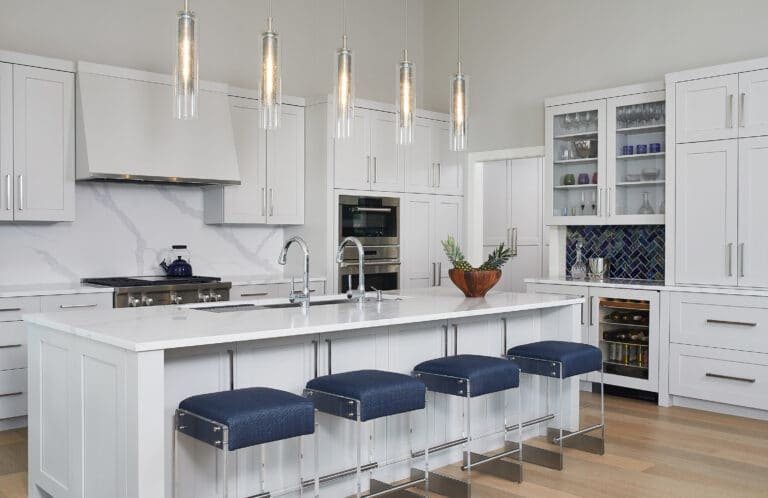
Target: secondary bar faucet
x=358 y=294
x=303 y=296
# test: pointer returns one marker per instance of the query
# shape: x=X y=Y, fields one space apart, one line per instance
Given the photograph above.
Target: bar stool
x=561 y=360
x=470 y=376
x=241 y=418
x=364 y=395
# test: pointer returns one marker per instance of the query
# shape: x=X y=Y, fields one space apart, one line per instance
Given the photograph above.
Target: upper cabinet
x=37 y=144
x=605 y=159
x=369 y=158
x=430 y=166
x=271 y=165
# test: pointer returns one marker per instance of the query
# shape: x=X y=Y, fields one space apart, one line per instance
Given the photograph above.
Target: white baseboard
x=711 y=406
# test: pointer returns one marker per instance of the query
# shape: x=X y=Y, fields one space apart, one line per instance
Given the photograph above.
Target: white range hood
x=126 y=130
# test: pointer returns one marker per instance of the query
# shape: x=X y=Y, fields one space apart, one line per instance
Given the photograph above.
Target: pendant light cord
x=405 y=15
x=458 y=32
x=186 y=5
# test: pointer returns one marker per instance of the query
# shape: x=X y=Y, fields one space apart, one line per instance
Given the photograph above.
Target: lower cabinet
x=272 y=291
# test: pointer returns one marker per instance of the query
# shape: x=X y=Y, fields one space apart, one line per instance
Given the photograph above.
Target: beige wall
x=518 y=52
x=140 y=34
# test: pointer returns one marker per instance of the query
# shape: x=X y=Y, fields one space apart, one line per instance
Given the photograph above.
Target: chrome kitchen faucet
x=297 y=297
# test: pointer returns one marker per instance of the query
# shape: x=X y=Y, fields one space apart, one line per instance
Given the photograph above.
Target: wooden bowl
x=475 y=283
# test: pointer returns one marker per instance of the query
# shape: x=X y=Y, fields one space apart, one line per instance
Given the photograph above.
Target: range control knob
x=147 y=301
x=133 y=301
x=176 y=299
x=203 y=298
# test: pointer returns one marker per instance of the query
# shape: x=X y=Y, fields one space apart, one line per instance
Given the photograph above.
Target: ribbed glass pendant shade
x=344 y=91
x=185 y=71
x=270 y=88
x=458 y=135
x=405 y=101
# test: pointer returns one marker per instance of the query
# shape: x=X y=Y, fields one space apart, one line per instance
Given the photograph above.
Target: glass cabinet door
x=635 y=152
x=575 y=170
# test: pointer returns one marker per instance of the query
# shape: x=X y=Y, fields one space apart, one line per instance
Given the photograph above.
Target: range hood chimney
x=126 y=130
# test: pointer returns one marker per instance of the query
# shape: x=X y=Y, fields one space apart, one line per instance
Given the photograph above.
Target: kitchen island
x=103 y=385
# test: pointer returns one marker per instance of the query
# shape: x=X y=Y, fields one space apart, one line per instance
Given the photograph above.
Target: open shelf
x=582 y=134
x=641 y=129
x=623 y=324
x=605 y=362
x=576 y=161
x=649 y=155
x=640 y=183
x=567 y=187
x=627 y=343
x=625 y=305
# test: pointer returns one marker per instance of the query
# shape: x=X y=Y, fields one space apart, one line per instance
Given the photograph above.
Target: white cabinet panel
x=449 y=214
x=74 y=302
x=388 y=171
x=706 y=219
x=352 y=159
x=254 y=292
x=450 y=173
x=753 y=103
x=13 y=345
x=707 y=109
x=420 y=165
x=417 y=226
x=496 y=203
x=44 y=144
x=753 y=206
x=285 y=168
x=13 y=393
x=6 y=142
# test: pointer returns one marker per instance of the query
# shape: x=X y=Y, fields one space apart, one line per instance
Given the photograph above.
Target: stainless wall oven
x=376 y=222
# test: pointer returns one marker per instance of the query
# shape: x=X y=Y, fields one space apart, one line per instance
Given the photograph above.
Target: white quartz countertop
x=238 y=280
x=169 y=327
x=653 y=285
x=31 y=290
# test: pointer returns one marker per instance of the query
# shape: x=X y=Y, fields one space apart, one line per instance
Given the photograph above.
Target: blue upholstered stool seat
x=380 y=393
x=486 y=374
x=255 y=415
x=576 y=358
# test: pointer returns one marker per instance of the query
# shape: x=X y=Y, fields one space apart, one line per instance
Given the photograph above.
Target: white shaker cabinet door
x=6 y=142
x=450 y=174
x=417 y=222
x=753 y=103
x=753 y=206
x=707 y=109
x=44 y=144
x=420 y=165
x=449 y=220
x=388 y=167
x=285 y=169
x=496 y=203
x=706 y=219
x=352 y=156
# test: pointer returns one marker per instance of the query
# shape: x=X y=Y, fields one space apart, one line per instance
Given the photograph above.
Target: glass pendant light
x=458 y=97
x=344 y=87
x=405 y=92
x=270 y=86
x=185 y=71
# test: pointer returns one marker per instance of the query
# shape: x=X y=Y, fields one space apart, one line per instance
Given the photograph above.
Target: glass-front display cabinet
x=605 y=161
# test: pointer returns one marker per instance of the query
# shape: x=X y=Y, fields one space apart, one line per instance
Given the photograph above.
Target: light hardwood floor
x=650 y=452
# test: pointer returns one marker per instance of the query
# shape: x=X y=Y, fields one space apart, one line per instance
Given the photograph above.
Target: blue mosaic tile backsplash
x=632 y=251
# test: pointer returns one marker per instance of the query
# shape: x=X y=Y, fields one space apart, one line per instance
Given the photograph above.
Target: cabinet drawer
x=13 y=345
x=315 y=288
x=13 y=393
x=72 y=302
x=254 y=292
x=732 y=377
x=729 y=322
x=12 y=308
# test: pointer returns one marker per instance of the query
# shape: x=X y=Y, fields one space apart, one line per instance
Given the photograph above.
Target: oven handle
x=346 y=264
x=372 y=210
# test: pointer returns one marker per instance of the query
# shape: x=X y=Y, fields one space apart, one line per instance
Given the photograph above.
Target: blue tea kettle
x=176 y=264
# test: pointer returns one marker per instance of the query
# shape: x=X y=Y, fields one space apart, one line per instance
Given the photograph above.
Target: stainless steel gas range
x=157 y=291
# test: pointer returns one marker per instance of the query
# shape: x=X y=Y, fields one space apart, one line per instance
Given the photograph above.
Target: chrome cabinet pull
x=2 y=310
x=439 y=174
x=263 y=201
x=315 y=349
x=729 y=259
x=730 y=110
x=329 y=344
x=740 y=256
x=71 y=306
x=8 y=194
x=742 y=98
x=730 y=322
x=19 y=393
x=455 y=339
x=509 y=237
x=729 y=377
x=367 y=169
x=434 y=270
x=582 y=313
x=375 y=170
x=591 y=302
x=504 y=337
x=271 y=202
x=440 y=274
x=21 y=192
x=514 y=241
x=10 y=346
x=231 y=357
x=445 y=341
x=599 y=202
x=255 y=294
x=608 y=201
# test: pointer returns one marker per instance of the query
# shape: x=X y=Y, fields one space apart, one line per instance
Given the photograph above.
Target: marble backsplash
x=126 y=229
x=633 y=251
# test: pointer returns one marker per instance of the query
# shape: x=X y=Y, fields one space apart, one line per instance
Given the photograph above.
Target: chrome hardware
x=176 y=299
x=255 y=294
x=21 y=192
x=315 y=348
x=329 y=345
x=729 y=322
x=10 y=346
x=455 y=339
x=504 y=337
x=271 y=202
x=373 y=210
x=367 y=169
x=8 y=192
x=133 y=301
x=358 y=294
x=740 y=257
x=445 y=341
x=728 y=377
x=591 y=302
x=147 y=301
x=2 y=310
x=72 y=306
x=434 y=274
x=729 y=259
x=608 y=201
x=379 y=295
x=439 y=174
x=599 y=202
x=202 y=297
x=742 y=97
x=19 y=393
x=263 y=201
x=730 y=110
x=297 y=297
x=375 y=169
x=439 y=273
x=231 y=358
x=513 y=243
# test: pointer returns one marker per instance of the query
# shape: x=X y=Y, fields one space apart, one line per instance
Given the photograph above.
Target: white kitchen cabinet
x=450 y=170
x=426 y=221
x=753 y=103
x=369 y=158
x=706 y=213
x=752 y=208
x=37 y=144
x=271 y=166
x=706 y=109
x=431 y=167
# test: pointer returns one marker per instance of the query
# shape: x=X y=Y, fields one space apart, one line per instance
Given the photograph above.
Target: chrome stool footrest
x=494 y=465
x=579 y=440
x=379 y=488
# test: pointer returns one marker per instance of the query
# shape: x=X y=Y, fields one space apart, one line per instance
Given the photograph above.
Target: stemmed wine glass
x=587 y=121
x=568 y=123
x=576 y=121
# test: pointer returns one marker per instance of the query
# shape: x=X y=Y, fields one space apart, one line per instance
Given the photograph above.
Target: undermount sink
x=231 y=308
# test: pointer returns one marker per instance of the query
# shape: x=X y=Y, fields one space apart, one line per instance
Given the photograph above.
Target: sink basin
x=231 y=308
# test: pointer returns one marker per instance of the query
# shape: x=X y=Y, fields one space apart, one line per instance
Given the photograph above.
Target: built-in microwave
x=373 y=220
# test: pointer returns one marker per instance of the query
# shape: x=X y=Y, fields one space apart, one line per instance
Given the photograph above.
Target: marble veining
x=126 y=229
